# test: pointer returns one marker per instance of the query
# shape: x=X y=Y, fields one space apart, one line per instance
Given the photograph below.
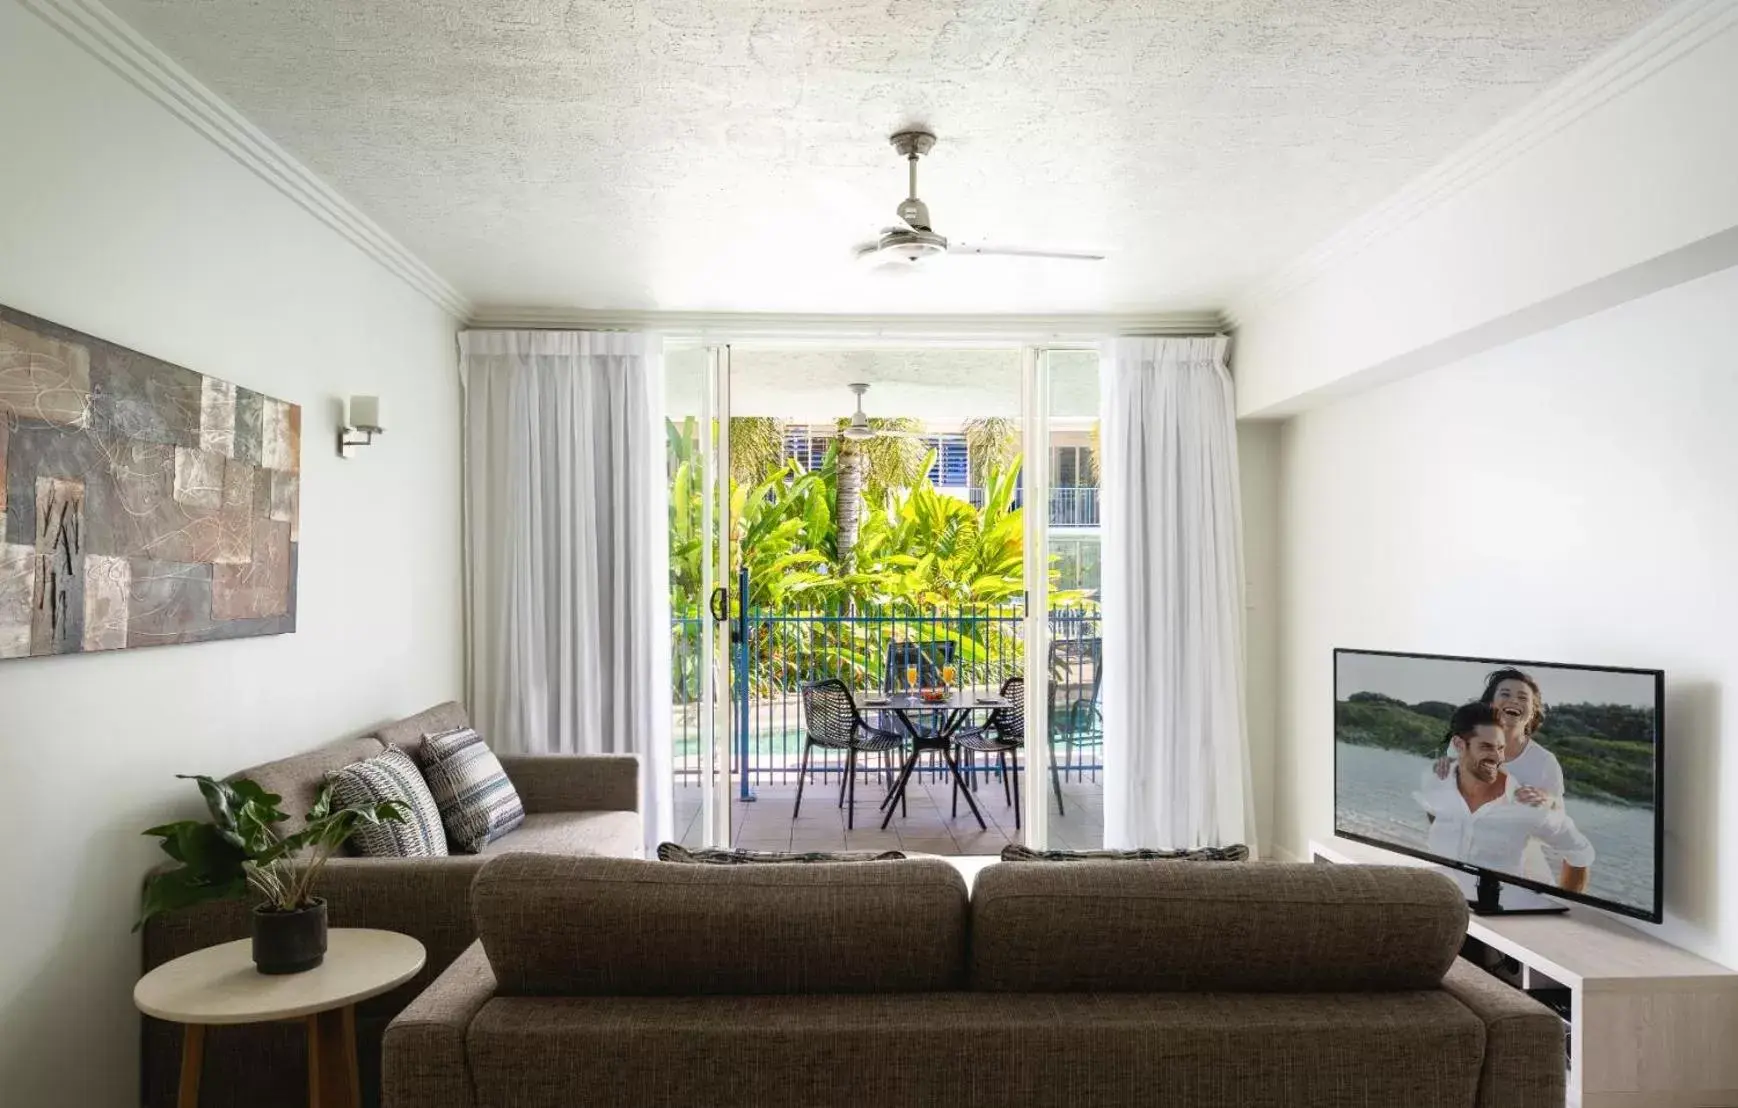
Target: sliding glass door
x=963 y=521
x=1072 y=722
x=697 y=438
x=1064 y=729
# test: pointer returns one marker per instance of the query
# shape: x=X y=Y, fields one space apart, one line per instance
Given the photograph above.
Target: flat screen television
x=1522 y=778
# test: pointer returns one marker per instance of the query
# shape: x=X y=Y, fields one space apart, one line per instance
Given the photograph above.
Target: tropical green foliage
x=895 y=459
x=992 y=443
x=918 y=549
x=925 y=565
x=239 y=847
x=757 y=448
x=1606 y=750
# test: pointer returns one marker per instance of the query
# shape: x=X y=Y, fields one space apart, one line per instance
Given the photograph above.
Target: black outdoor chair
x=834 y=723
x=1004 y=735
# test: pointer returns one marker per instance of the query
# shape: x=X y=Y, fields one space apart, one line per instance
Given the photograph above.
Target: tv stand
x=1493 y=898
x=1646 y=1025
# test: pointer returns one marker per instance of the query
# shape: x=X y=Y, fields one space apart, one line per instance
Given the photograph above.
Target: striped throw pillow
x=477 y=803
x=391 y=776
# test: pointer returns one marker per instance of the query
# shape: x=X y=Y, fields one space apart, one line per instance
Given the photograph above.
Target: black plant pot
x=289 y=942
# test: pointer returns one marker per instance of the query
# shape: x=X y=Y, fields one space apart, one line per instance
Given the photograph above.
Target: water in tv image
x=1544 y=772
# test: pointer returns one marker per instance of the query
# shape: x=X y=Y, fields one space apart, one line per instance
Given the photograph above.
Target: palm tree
x=893 y=459
x=757 y=448
x=992 y=444
x=848 y=507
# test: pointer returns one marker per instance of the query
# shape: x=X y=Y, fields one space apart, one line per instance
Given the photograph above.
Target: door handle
x=721 y=604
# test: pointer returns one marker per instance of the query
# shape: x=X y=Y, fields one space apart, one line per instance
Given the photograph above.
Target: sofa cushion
x=391 y=775
x=715 y=856
x=1165 y=927
x=577 y=834
x=477 y=802
x=624 y=927
x=1416 y=1050
x=407 y=734
x=299 y=778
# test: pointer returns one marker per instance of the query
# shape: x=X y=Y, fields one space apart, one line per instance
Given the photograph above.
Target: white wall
x=1258 y=474
x=1621 y=182
x=1570 y=496
x=118 y=221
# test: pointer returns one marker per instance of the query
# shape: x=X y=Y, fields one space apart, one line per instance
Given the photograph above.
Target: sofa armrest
x=1524 y=1064
x=575 y=782
x=423 y=1061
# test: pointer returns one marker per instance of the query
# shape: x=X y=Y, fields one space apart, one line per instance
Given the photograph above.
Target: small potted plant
x=239 y=849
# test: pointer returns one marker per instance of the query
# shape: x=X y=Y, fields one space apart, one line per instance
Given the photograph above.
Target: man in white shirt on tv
x=1475 y=816
x=1520 y=707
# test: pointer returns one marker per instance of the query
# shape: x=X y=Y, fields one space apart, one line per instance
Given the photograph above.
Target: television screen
x=1547 y=776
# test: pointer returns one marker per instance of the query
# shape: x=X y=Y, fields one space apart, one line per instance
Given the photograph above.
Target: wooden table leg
x=333 y=1080
x=192 y=1062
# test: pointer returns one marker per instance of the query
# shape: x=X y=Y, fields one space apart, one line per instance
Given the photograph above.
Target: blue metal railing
x=774 y=654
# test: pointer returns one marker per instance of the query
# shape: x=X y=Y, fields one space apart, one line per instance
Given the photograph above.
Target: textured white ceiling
x=725 y=155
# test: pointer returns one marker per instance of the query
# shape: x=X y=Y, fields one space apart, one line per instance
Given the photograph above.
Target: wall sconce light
x=361 y=424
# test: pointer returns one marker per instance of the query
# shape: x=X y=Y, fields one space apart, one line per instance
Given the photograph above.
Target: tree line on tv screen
x=1606 y=750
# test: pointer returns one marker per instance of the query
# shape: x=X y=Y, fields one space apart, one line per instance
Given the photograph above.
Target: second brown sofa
x=574 y=805
x=1166 y=985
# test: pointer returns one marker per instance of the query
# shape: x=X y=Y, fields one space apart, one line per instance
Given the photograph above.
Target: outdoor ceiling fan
x=858 y=429
x=914 y=240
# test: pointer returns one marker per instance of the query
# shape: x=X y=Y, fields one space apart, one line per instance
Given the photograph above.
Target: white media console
x=1650 y=1025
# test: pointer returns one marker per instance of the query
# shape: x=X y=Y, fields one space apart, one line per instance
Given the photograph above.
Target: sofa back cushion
x=407 y=734
x=555 y=926
x=299 y=778
x=1212 y=926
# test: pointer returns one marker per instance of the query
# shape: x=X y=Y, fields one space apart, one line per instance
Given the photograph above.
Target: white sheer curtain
x=1176 y=760
x=566 y=563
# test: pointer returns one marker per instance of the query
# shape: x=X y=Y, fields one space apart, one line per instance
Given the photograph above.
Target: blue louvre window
x=809 y=450
x=952 y=467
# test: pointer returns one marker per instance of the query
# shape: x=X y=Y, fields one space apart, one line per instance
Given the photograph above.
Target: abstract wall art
x=141 y=503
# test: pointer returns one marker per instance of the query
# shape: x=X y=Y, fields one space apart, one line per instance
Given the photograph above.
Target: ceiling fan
x=858 y=428
x=913 y=240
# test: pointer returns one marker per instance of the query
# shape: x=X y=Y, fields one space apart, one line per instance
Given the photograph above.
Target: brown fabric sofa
x=602 y=982
x=574 y=805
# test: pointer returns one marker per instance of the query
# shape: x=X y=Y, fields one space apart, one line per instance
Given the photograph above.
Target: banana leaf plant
x=240 y=848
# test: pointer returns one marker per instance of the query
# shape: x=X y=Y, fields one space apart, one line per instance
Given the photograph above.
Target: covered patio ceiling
x=939 y=385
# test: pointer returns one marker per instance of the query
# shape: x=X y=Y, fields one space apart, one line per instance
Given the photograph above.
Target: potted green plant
x=240 y=849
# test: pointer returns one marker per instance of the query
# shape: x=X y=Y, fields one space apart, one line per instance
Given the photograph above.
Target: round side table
x=219 y=985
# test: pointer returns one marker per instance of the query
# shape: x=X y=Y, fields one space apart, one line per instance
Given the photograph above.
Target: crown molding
x=103 y=35
x=1655 y=46
x=775 y=327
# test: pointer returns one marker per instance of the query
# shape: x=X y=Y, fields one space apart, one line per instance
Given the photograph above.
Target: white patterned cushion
x=478 y=804
x=391 y=776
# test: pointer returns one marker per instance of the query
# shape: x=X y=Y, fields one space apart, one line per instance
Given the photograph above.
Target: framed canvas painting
x=142 y=503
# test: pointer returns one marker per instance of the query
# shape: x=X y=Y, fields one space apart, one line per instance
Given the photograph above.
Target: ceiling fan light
x=858 y=432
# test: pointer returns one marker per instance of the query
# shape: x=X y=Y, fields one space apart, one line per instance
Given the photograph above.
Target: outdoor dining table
x=950 y=712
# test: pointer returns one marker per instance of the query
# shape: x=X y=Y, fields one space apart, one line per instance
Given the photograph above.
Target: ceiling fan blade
x=1024 y=252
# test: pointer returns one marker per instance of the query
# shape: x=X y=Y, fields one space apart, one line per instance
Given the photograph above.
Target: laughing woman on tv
x=1520 y=709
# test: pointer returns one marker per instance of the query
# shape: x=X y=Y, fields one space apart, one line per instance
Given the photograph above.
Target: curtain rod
x=750 y=327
